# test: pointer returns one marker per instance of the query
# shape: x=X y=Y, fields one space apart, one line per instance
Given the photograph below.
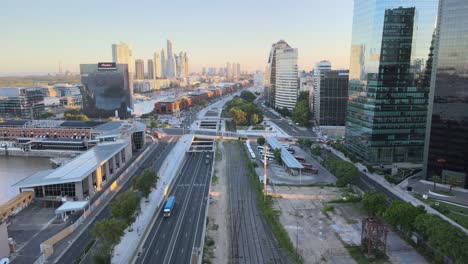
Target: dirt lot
x=307 y=227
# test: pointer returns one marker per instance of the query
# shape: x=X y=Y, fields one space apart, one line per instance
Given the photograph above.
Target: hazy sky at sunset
x=36 y=35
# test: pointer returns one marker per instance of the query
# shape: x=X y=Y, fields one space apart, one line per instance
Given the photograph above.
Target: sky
x=36 y=36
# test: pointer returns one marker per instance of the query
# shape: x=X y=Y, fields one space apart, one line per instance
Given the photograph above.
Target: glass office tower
x=106 y=90
x=389 y=79
x=446 y=152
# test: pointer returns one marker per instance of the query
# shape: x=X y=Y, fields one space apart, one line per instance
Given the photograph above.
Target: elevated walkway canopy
x=288 y=159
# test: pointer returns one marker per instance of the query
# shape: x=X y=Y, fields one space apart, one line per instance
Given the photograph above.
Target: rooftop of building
x=77 y=169
x=49 y=124
x=289 y=160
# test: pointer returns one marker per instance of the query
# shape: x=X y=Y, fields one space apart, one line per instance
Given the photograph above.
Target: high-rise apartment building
x=389 y=79
x=234 y=70
x=106 y=90
x=331 y=98
x=150 y=69
x=282 y=77
x=446 y=149
x=238 y=69
x=157 y=65
x=139 y=69
x=320 y=68
x=163 y=63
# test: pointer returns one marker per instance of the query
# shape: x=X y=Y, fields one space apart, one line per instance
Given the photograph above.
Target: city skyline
x=64 y=41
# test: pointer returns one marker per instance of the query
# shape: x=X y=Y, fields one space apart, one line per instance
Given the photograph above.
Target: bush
x=125 y=206
x=316 y=150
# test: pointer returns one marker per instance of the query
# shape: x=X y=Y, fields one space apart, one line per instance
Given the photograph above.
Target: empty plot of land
x=309 y=229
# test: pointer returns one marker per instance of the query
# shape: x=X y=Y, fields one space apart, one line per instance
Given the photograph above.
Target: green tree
x=254 y=119
x=108 y=231
x=402 y=214
x=316 y=150
x=301 y=113
x=125 y=206
x=248 y=96
x=147 y=181
x=154 y=124
x=277 y=154
x=452 y=181
x=303 y=96
x=261 y=141
x=374 y=203
x=239 y=116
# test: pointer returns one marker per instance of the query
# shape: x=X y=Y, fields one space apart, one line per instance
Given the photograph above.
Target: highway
x=173 y=239
x=251 y=238
x=283 y=123
x=155 y=161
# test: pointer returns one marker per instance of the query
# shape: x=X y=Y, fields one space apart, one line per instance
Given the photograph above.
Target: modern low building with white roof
x=81 y=177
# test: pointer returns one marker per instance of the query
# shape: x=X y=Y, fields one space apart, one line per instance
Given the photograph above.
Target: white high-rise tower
x=171 y=64
x=163 y=63
x=157 y=65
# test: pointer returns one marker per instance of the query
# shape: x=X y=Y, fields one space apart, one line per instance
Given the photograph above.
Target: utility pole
x=265 y=153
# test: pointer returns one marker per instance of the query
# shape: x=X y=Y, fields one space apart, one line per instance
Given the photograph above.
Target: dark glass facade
x=332 y=96
x=389 y=79
x=447 y=146
x=105 y=90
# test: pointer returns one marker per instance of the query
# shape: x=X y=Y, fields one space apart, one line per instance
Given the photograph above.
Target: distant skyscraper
x=203 y=71
x=228 y=69
x=221 y=71
x=446 y=149
x=171 y=63
x=157 y=65
x=150 y=69
x=331 y=98
x=388 y=85
x=187 y=71
x=139 y=69
x=163 y=63
x=106 y=89
x=122 y=54
x=234 y=70
x=281 y=76
x=238 y=69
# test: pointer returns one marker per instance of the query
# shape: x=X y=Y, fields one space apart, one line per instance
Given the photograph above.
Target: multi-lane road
x=177 y=239
x=156 y=159
x=287 y=126
x=251 y=238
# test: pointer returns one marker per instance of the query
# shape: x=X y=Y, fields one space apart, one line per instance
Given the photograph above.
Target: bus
x=169 y=206
x=300 y=159
x=260 y=148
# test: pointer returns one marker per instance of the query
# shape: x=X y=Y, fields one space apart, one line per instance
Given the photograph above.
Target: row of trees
x=124 y=209
x=440 y=235
x=243 y=111
x=75 y=114
x=345 y=171
x=301 y=113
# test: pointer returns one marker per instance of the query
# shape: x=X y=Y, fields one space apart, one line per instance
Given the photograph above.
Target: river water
x=15 y=169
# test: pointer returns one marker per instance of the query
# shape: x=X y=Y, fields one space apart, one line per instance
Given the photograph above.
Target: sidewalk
x=134 y=235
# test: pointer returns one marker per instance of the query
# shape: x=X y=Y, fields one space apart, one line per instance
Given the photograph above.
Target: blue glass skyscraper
x=446 y=152
x=389 y=79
